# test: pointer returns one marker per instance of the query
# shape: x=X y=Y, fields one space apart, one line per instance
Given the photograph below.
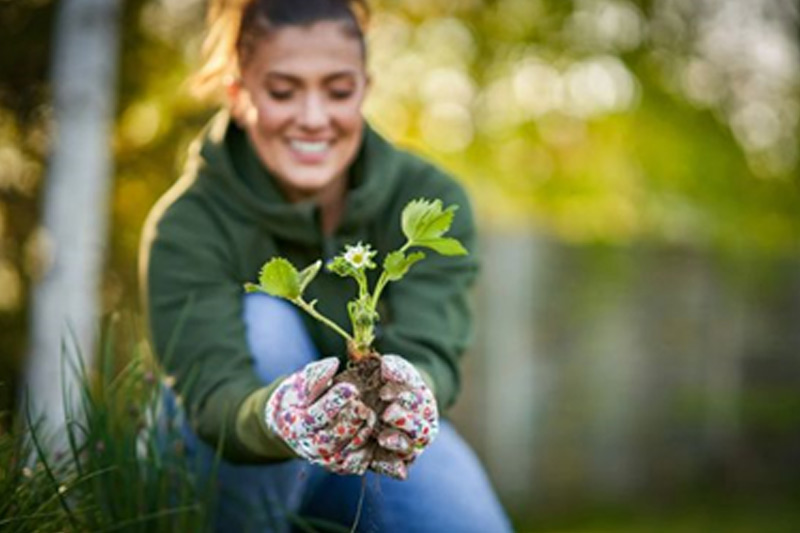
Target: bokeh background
x=634 y=165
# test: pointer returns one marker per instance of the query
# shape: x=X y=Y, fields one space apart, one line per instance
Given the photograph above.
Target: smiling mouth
x=309 y=147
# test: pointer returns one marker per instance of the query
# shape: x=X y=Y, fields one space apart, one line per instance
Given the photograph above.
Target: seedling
x=424 y=223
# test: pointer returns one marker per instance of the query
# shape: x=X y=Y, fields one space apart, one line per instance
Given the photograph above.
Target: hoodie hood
x=228 y=164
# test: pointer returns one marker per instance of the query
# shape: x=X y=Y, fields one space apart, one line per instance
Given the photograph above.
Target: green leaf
x=280 y=278
x=396 y=264
x=339 y=265
x=413 y=213
x=425 y=219
x=252 y=287
x=308 y=274
x=445 y=246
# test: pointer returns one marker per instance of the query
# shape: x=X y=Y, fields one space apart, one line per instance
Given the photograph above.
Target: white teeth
x=309 y=147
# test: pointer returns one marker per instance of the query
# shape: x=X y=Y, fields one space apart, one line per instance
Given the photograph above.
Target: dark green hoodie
x=215 y=228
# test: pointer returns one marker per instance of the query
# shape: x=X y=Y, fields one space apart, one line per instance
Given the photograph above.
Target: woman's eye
x=280 y=95
x=341 y=95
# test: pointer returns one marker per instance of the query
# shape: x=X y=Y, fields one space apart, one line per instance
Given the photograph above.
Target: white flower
x=359 y=256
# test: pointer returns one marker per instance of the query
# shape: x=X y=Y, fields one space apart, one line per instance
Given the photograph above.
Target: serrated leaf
x=308 y=274
x=280 y=278
x=444 y=245
x=252 y=287
x=396 y=264
x=412 y=214
x=425 y=219
x=439 y=223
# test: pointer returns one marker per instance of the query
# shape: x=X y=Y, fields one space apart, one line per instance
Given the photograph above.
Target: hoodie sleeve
x=429 y=313
x=194 y=306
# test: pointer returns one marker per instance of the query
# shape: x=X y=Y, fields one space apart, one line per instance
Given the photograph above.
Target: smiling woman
x=299 y=99
x=294 y=77
x=290 y=168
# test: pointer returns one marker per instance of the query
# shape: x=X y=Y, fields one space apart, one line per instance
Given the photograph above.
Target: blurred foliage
x=603 y=120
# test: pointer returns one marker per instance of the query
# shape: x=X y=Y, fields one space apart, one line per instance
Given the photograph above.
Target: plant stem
x=305 y=306
x=383 y=280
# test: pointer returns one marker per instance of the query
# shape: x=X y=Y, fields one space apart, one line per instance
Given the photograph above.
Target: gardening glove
x=412 y=417
x=326 y=425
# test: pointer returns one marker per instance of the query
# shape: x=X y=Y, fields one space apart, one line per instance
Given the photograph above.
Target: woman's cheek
x=272 y=118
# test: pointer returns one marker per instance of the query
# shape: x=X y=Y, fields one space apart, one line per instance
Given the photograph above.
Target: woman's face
x=300 y=100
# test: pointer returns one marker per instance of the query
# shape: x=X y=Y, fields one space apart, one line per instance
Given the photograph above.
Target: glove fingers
x=316 y=377
x=342 y=431
x=326 y=409
x=332 y=427
x=362 y=435
x=288 y=395
x=397 y=370
x=281 y=414
x=354 y=457
x=355 y=462
x=395 y=441
x=424 y=407
x=420 y=429
x=414 y=400
x=305 y=447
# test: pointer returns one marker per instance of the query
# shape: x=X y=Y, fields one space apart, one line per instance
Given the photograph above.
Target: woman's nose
x=313 y=113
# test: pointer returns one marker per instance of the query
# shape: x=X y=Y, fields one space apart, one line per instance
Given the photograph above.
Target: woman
x=290 y=168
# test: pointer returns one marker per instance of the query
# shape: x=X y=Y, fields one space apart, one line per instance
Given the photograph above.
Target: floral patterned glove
x=411 y=414
x=325 y=425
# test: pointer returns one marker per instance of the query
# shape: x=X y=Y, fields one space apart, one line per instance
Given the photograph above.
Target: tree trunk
x=76 y=203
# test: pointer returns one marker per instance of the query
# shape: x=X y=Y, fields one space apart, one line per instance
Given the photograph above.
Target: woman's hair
x=236 y=26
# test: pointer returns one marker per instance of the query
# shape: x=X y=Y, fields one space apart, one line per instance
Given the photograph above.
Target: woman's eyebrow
x=285 y=76
x=345 y=74
x=279 y=76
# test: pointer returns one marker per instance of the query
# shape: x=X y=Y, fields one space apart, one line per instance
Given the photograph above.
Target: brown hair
x=235 y=26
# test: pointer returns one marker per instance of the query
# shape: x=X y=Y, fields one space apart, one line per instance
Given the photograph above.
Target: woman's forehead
x=320 y=49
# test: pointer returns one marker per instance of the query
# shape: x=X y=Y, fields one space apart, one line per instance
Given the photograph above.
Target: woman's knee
x=276 y=336
x=450 y=477
x=447 y=490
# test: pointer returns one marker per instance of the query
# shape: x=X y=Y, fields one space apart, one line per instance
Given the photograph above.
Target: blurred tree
x=76 y=198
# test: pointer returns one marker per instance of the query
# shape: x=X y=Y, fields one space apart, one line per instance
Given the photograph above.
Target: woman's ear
x=234 y=96
x=240 y=106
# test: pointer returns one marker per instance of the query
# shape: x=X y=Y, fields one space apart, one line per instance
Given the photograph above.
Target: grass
x=124 y=467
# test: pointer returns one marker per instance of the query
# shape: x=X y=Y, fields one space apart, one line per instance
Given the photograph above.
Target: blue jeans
x=447 y=489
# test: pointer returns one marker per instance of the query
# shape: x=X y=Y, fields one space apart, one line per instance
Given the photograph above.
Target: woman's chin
x=308 y=187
